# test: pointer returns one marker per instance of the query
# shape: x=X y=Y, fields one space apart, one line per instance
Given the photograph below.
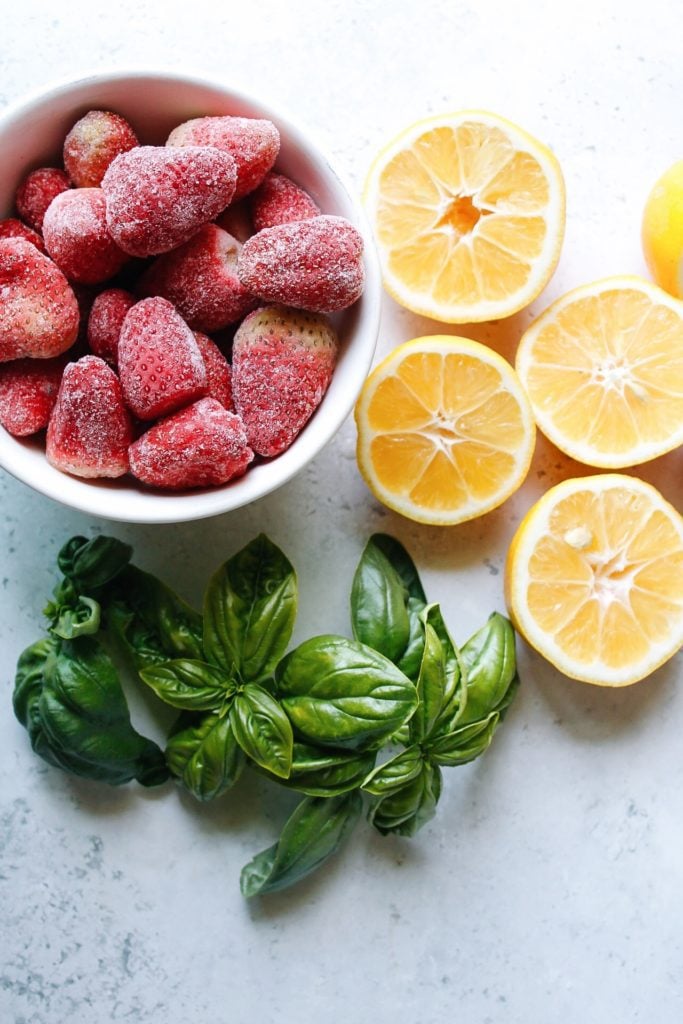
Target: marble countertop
x=549 y=887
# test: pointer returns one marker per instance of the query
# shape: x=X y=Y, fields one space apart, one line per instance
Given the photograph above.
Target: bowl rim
x=96 y=497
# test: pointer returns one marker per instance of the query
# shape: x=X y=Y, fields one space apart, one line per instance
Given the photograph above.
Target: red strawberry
x=253 y=143
x=28 y=392
x=218 y=372
x=37 y=191
x=200 y=446
x=77 y=239
x=278 y=200
x=200 y=279
x=160 y=365
x=105 y=321
x=314 y=264
x=38 y=312
x=91 y=145
x=159 y=196
x=282 y=363
x=13 y=228
x=90 y=428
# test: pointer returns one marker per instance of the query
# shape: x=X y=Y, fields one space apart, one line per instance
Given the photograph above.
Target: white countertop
x=549 y=887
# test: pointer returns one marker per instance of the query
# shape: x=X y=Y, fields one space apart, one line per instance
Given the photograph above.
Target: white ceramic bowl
x=31 y=135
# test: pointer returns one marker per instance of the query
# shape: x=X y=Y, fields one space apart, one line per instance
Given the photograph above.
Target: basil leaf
x=490 y=664
x=406 y=809
x=28 y=681
x=204 y=755
x=262 y=729
x=465 y=743
x=249 y=611
x=314 y=832
x=151 y=622
x=83 y=619
x=318 y=772
x=340 y=693
x=455 y=691
x=431 y=686
x=187 y=684
x=84 y=716
x=93 y=563
x=395 y=773
x=386 y=601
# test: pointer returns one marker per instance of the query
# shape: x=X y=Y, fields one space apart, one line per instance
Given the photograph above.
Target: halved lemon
x=445 y=431
x=468 y=212
x=594 y=579
x=603 y=369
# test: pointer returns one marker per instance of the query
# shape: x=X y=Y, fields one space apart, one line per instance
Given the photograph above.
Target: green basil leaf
x=455 y=692
x=319 y=772
x=28 y=681
x=490 y=664
x=464 y=744
x=83 y=619
x=249 y=611
x=431 y=685
x=395 y=773
x=204 y=755
x=262 y=729
x=404 y=810
x=90 y=564
x=188 y=684
x=84 y=715
x=314 y=832
x=386 y=601
x=151 y=622
x=340 y=693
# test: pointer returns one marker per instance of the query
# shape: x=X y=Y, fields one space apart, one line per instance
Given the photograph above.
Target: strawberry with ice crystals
x=314 y=264
x=282 y=363
x=200 y=279
x=77 y=239
x=95 y=140
x=160 y=365
x=90 y=429
x=201 y=446
x=254 y=144
x=28 y=392
x=38 y=312
x=279 y=200
x=13 y=228
x=37 y=191
x=159 y=196
x=106 y=318
x=218 y=371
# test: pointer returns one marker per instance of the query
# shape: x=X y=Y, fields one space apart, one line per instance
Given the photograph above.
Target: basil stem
x=262 y=729
x=314 y=832
x=204 y=755
x=249 y=611
x=340 y=693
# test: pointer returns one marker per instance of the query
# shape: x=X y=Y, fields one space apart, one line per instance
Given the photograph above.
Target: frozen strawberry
x=218 y=371
x=200 y=279
x=38 y=312
x=91 y=145
x=76 y=236
x=13 y=228
x=236 y=220
x=278 y=200
x=282 y=363
x=90 y=429
x=160 y=365
x=200 y=446
x=159 y=196
x=37 y=191
x=253 y=143
x=106 y=318
x=28 y=392
x=312 y=264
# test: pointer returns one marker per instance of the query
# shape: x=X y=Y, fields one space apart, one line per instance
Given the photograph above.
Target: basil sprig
x=344 y=722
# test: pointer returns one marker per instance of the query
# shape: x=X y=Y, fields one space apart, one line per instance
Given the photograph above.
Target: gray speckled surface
x=549 y=886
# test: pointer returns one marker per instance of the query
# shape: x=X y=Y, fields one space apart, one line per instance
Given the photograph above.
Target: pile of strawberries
x=119 y=267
